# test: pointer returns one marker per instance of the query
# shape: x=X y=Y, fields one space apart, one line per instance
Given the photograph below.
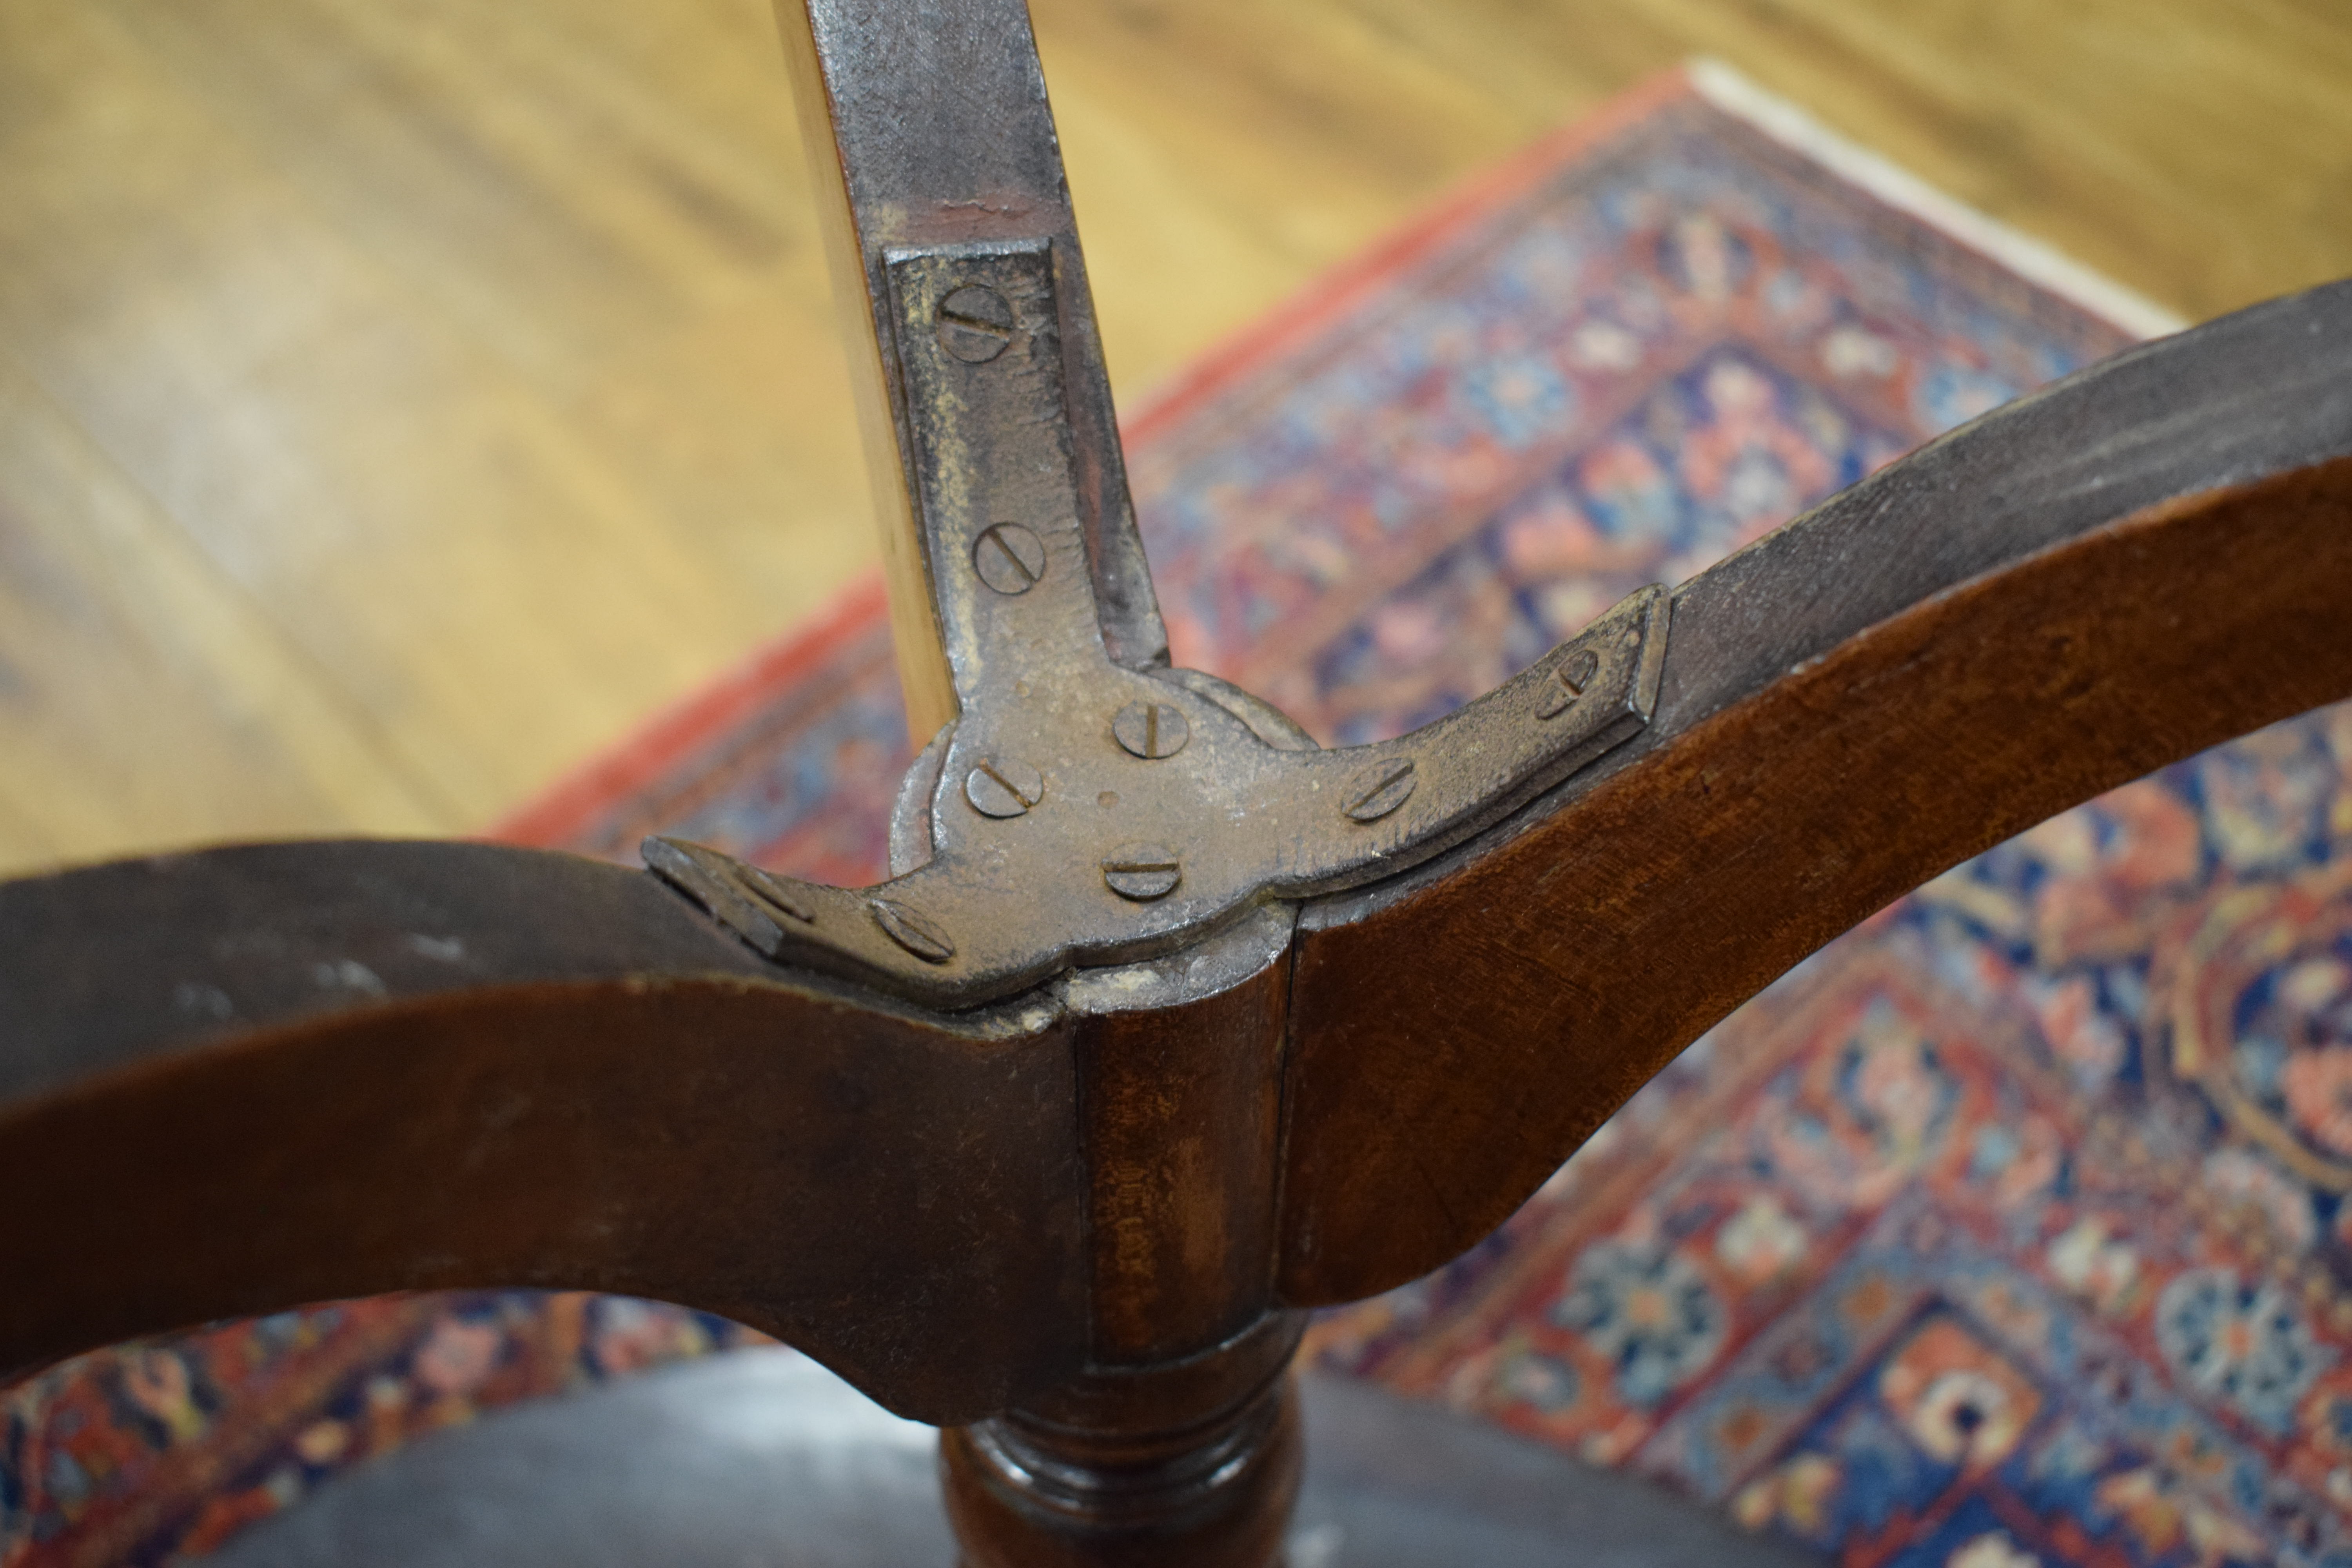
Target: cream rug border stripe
x=2033 y=259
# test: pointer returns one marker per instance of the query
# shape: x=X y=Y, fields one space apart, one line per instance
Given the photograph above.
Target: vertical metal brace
x=980 y=164
x=981 y=375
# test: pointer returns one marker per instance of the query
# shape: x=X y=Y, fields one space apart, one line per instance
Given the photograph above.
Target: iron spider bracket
x=1080 y=812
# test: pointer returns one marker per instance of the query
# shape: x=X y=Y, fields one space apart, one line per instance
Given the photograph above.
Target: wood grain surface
x=398 y=402
x=2050 y=602
x=340 y=1069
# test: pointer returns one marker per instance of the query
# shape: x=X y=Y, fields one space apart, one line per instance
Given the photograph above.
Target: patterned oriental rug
x=2010 y=1229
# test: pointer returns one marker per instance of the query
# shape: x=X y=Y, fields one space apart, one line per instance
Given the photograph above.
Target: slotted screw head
x=1004 y=786
x=1568 y=683
x=1151 y=729
x=975 y=324
x=1380 y=789
x=912 y=931
x=1009 y=558
x=777 y=893
x=1143 y=872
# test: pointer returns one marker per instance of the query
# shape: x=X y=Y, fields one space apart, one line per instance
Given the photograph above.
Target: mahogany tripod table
x=1169 y=1025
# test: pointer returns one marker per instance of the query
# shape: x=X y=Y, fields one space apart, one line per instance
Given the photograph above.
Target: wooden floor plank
x=211 y=723
x=466 y=566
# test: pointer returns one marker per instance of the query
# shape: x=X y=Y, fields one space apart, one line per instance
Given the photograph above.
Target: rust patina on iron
x=1127 y=812
x=1169 y=1024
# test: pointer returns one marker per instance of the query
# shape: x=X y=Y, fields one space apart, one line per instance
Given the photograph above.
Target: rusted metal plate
x=1119 y=856
x=1081 y=812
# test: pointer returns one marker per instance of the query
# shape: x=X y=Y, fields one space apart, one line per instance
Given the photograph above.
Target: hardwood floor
x=399 y=402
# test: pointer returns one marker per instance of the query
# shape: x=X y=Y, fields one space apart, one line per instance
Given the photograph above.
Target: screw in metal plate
x=1568 y=680
x=912 y=931
x=1143 y=872
x=775 y=892
x=1004 y=786
x=975 y=324
x=1009 y=558
x=1151 y=729
x=1380 y=789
